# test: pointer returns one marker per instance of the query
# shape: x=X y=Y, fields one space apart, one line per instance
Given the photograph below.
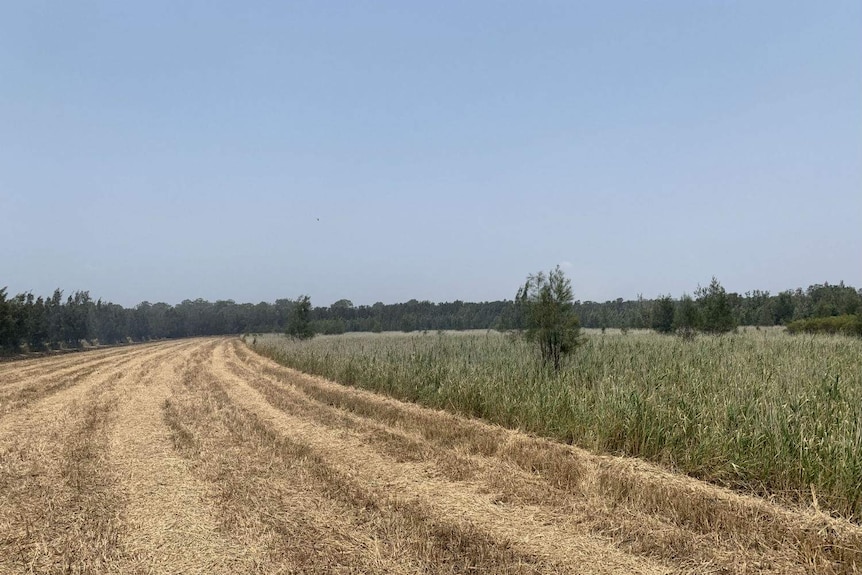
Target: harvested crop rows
x=199 y=456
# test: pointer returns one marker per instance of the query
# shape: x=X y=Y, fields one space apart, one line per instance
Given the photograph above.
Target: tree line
x=32 y=323
x=757 y=308
x=544 y=313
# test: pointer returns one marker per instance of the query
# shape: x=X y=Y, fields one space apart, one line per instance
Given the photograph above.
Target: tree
x=54 y=313
x=7 y=323
x=75 y=318
x=662 y=314
x=545 y=305
x=643 y=318
x=686 y=318
x=37 y=328
x=783 y=309
x=342 y=305
x=299 y=322
x=716 y=312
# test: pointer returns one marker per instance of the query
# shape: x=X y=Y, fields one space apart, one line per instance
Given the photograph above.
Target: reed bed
x=760 y=411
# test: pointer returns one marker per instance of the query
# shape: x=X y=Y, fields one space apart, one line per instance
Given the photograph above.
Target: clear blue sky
x=168 y=150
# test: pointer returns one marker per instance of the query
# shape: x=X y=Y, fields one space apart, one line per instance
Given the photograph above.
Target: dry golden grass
x=199 y=456
x=58 y=507
x=23 y=385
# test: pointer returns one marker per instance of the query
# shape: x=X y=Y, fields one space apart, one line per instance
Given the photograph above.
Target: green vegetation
x=29 y=323
x=687 y=317
x=760 y=411
x=299 y=325
x=662 y=314
x=544 y=304
x=843 y=324
x=716 y=315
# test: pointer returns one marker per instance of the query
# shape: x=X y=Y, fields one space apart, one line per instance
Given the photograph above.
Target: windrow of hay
x=278 y=494
x=551 y=535
x=263 y=494
x=48 y=406
x=15 y=396
x=28 y=369
x=170 y=524
x=58 y=510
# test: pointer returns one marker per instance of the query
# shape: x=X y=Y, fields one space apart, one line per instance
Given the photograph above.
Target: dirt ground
x=198 y=456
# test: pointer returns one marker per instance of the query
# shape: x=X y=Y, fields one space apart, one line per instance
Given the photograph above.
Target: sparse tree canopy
x=547 y=311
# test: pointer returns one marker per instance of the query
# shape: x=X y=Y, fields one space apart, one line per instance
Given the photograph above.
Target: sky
x=386 y=151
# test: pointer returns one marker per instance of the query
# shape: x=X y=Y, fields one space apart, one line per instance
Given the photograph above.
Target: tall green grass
x=761 y=411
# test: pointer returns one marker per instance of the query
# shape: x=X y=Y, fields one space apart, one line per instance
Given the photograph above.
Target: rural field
x=201 y=456
x=759 y=411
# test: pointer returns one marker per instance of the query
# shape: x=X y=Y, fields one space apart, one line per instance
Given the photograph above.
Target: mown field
x=760 y=411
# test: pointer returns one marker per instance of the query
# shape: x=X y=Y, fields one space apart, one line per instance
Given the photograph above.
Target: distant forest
x=29 y=323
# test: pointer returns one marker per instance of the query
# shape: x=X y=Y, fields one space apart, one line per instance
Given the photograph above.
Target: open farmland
x=759 y=411
x=200 y=456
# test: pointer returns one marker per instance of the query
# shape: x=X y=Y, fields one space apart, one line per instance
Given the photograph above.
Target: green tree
x=715 y=309
x=643 y=318
x=7 y=323
x=37 y=329
x=299 y=322
x=663 y=310
x=546 y=306
x=686 y=318
x=54 y=313
x=783 y=308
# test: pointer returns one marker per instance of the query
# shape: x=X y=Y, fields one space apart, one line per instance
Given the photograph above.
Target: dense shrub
x=838 y=324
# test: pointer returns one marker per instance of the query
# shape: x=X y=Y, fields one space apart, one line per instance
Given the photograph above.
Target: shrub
x=837 y=324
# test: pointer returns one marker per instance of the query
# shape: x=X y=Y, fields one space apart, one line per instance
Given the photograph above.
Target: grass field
x=761 y=411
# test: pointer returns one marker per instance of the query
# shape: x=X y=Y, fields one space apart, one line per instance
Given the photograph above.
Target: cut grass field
x=760 y=411
x=201 y=456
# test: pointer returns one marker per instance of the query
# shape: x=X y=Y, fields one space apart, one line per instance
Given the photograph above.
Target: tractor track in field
x=199 y=456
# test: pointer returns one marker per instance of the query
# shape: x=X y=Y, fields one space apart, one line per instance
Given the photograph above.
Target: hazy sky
x=168 y=150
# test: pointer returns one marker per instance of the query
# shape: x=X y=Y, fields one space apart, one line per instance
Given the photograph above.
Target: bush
x=662 y=314
x=837 y=324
